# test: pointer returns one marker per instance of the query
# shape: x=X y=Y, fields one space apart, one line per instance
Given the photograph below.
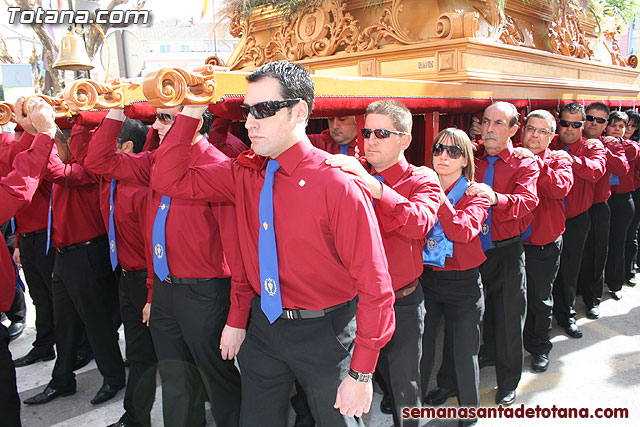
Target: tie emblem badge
x=270 y=286
x=265 y=225
x=163 y=206
x=112 y=245
x=485 y=229
x=431 y=243
x=159 y=251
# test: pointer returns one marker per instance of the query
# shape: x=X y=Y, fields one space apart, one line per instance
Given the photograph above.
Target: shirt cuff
x=238 y=318
x=184 y=128
x=364 y=359
x=446 y=211
x=503 y=200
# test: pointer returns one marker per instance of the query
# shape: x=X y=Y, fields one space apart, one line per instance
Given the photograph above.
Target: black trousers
x=38 y=267
x=542 y=263
x=18 y=310
x=315 y=351
x=9 y=399
x=594 y=255
x=399 y=362
x=458 y=296
x=622 y=211
x=84 y=293
x=186 y=324
x=631 y=244
x=505 y=284
x=141 y=382
x=565 y=285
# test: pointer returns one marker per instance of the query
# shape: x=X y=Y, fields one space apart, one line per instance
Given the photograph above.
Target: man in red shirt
x=588 y=165
x=340 y=138
x=509 y=184
x=326 y=250
x=16 y=190
x=406 y=207
x=544 y=245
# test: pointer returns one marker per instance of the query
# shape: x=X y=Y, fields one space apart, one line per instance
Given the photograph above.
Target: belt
x=78 y=245
x=33 y=233
x=173 y=280
x=302 y=313
x=506 y=242
x=138 y=274
x=407 y=290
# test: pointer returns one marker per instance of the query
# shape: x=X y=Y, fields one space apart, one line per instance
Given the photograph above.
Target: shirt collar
x=504 y=154
x=292 y=157
x=544 y=154
x=393 y=173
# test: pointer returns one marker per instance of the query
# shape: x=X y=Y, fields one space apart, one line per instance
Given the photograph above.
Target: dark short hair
x=573 y=108
x=598 y=106
x=295 y=80
x=134 y=131
x=616 y=116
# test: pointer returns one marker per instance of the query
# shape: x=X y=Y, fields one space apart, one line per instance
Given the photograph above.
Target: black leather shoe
x=31 y=358
x=573 y=331
x=438 y=396
x=540 y=362
x=616 y=295
x=48 y=395
x=15 y=330
x=106 y=392
x=385 y=404
x=631 y=282
x=505 y=398
x=593 y=313
x=82 y=361
x=485 y=361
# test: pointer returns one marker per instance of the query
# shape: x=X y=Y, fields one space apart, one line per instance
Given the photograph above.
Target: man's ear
x=405 y=141
x=127 y=147
x=301 y=111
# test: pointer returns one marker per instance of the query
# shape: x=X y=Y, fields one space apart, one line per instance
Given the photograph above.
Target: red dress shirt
x=554 y=184
x=514 y=183
x=192 y=231
x=406 y=212
x=224 y=140
x=328 y=239
x=462 y=224
x=16 y=189
x=324 y=142
x=588 y=167
x=627 y=181
x=617 y=164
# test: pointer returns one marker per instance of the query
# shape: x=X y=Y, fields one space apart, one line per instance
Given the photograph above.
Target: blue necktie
x=344 y=149
x=113 y=252
x=564 y=201
x=19 y=282
x=160 y=264
x=526 y=233
x=438 y=246
x=614 y=179
x=485 y=234
x=381 y=179
x=49 y=221
x=13 y=225
x=270 y=299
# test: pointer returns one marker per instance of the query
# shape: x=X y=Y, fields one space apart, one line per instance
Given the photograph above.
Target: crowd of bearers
x=310 y=264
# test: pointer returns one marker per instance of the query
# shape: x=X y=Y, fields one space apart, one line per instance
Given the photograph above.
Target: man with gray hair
x=509 y=183
x=544 y=245
x=406 y=207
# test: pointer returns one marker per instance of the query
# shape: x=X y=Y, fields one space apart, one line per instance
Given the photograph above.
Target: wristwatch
x=360 y=377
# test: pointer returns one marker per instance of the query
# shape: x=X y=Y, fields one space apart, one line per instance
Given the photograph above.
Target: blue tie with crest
x=485 y=234
x=270 y=299
x=113 y=252
x=344 y=149
x=49 y=221
x=160 y=264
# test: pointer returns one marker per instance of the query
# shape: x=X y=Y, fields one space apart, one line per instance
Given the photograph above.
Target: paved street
x=600 y=370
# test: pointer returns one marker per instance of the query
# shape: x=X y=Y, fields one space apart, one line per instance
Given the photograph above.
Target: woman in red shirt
x=451 y=278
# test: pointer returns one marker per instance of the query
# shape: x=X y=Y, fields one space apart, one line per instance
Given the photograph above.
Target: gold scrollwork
x=85 y=94
x=388 y=28
x=170 y=87
x=6 y=113
x=60 y=107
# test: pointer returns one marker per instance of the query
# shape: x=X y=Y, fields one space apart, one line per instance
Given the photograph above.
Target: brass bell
x=73 y=54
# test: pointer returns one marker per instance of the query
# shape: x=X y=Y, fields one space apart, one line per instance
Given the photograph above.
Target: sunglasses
x=165 y=117
x=453 y=151
x=600 y=120
x=566 y=124
x=380 y=133
x=265 y=109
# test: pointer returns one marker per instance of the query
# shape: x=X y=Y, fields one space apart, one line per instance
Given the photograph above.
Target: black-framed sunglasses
x=380 y=133
x=566 y=124
x=600 y=120
x=265 y=109
x=165 y=117
x=453 y=151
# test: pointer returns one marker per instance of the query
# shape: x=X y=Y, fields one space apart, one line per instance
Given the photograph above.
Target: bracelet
x=360 y=377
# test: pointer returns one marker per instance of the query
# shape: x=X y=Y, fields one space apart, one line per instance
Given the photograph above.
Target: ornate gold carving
x=388 y=28
x=447 y=61
x=632 y=61
x=510 y=34
x=215 y=61
x=6 y=113
x=252 y=54
x=85 y=94
x=170 y=87
x=614 y=48
x=367 y=68
x=457 y=25
x=60 y=107
x=566 y=34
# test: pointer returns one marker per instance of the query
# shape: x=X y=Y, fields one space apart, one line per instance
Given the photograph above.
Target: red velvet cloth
x=141 y=111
